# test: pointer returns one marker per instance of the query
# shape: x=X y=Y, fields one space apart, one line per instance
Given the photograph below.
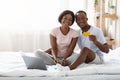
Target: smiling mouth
x=67 y=24
x=82 y=24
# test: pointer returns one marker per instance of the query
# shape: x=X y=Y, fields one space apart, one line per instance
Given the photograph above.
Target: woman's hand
x=56 y=61
x=64 y=63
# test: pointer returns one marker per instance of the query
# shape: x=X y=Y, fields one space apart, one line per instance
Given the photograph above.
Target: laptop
x=34 y=62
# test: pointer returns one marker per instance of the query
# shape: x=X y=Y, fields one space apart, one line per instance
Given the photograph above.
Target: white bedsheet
x=12 y=64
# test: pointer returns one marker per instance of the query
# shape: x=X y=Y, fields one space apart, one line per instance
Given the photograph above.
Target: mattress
x=12 y=66
x=82 y=77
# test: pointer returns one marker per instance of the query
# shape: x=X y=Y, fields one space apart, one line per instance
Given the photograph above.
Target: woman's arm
x=53 y=47
x=71 y=47
x=69 y=50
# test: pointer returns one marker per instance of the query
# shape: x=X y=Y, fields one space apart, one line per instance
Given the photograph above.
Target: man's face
x=81 y=20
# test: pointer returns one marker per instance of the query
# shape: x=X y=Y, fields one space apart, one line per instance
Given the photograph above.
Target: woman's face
x=81 y=20
x=66 y=20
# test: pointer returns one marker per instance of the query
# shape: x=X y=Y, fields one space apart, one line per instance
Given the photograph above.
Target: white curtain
x=25 y=24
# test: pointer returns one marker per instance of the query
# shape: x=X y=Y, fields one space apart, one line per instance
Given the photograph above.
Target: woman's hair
x=65 y=13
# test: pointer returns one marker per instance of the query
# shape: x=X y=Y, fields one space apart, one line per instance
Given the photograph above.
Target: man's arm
x=102 y=47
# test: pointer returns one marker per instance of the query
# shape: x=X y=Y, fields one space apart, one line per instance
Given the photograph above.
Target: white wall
x=25 y=24
x=118 y=24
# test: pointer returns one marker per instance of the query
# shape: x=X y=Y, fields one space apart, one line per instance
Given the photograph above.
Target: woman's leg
x=47 y=58
x=86 y=55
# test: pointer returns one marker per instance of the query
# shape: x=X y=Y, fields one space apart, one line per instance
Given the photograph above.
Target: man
x=91 y=41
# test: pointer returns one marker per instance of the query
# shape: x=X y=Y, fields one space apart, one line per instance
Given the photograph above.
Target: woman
x=63 y=40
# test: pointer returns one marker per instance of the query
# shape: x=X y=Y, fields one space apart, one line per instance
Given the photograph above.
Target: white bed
x=12 y=67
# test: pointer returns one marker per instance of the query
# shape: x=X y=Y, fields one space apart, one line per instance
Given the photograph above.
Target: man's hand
x=92 y=38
